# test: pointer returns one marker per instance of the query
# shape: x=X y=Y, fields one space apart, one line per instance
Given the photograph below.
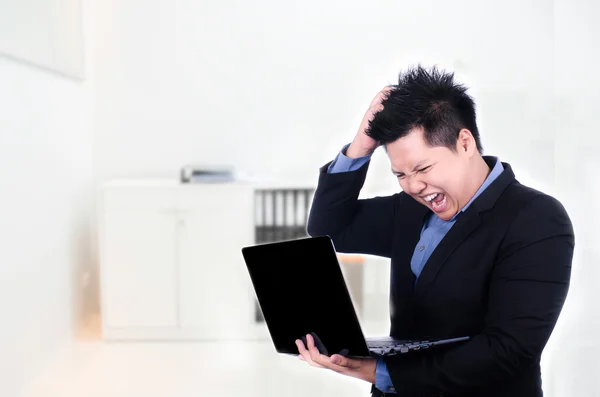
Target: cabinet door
x=139 y=260
x=217 y=301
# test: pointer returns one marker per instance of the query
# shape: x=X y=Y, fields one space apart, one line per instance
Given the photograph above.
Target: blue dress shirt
x=432 y=233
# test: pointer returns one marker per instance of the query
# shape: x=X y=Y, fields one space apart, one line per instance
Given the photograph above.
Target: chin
x=447 y=215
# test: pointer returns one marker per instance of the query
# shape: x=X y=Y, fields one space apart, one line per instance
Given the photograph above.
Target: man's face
x=437 y=177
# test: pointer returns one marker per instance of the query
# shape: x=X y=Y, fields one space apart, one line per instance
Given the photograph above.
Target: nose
x=414 y=186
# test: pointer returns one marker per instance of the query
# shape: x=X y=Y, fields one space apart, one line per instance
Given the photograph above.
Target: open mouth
x=437 y=201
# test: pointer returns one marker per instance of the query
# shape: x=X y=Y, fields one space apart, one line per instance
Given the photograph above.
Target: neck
x=480 y=173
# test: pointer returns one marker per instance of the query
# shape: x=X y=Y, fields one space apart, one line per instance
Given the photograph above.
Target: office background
x=94 y=93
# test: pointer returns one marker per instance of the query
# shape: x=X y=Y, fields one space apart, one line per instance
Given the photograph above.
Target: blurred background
x=116 y=279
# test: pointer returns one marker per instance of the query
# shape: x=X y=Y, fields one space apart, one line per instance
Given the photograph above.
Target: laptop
x=301 y=290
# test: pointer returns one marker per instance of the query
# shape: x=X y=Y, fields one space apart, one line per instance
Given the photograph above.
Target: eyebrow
x=419 y=165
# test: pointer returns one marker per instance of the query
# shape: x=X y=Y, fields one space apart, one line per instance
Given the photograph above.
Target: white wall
x=45 y=204
x=44 y=33
x=276 y=88
x=572 y=367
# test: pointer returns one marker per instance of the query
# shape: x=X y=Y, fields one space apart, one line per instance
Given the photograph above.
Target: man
x=473 y=251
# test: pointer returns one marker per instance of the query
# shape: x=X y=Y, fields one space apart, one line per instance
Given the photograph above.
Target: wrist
x=370 y=370
x=355 y=150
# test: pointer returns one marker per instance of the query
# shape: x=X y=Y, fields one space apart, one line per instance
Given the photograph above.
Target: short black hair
x=429 y=99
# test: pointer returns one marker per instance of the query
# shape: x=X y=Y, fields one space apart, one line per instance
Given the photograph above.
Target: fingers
x=345 y=362
x=305 y=354
x=364 y=369
x=321 y=359
x=312 y=349
x=386 y=91
x=315 y=354
x=337 y=362
x=380 y=97
x=378 y=107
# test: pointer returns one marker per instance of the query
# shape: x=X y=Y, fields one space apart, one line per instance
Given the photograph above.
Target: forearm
x=356 y=226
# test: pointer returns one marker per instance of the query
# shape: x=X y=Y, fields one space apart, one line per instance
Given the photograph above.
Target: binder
x=280 y=214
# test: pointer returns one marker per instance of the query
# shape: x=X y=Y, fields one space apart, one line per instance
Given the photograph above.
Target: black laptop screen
x=300 y=288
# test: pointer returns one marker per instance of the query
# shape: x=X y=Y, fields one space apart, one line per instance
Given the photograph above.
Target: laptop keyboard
x=389 y=342
x=390 y=346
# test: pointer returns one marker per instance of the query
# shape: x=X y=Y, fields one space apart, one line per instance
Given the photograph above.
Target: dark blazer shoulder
x=534 y=216
x=530 y=199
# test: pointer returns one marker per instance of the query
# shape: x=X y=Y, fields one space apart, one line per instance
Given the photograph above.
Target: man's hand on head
x=364 y=145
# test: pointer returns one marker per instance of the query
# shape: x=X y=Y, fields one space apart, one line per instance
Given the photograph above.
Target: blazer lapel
x=466 y=224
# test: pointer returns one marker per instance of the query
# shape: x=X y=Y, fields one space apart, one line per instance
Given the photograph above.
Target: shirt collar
x=495 y=173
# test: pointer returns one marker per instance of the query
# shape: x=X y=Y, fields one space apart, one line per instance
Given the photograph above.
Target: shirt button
x=421 y=248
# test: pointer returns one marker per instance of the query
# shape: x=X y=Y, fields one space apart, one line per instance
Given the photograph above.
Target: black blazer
x=500 y=275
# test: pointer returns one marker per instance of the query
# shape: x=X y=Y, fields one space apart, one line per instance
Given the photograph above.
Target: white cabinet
x=170 y=261
x=215 y=289
x=141 y=266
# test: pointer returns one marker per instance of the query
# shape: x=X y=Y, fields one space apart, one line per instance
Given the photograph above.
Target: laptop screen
x=300 y=288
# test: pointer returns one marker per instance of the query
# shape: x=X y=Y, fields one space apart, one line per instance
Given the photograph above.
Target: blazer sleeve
x=528 y=287
x=356 y=226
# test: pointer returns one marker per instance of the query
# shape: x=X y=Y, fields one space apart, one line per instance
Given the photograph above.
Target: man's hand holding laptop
x=362 y=368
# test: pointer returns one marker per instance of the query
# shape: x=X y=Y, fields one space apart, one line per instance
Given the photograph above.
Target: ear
x=465 y=144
